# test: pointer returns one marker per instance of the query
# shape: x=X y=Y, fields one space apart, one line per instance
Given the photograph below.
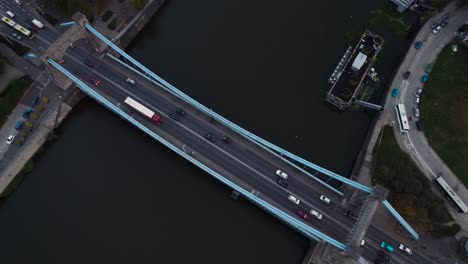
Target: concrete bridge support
x=65 y=41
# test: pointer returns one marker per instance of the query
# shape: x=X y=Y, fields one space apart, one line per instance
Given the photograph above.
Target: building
x=402 y=5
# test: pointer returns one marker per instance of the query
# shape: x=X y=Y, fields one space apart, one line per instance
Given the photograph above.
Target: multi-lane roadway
x=241 y=161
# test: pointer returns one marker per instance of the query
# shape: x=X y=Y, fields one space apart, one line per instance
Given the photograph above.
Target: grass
x=444 y=110
x=11 y=96
x=410 y=191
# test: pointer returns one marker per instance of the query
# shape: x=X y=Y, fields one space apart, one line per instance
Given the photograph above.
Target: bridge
x=247 y=163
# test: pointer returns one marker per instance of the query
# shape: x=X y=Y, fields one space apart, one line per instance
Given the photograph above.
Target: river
x=104 y=192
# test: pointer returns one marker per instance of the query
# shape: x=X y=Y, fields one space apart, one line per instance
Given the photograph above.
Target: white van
x=10 y=14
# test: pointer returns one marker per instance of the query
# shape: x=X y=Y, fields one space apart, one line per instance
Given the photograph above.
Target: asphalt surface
x=242 y=161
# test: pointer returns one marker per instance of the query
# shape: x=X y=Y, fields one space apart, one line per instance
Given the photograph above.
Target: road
x=242 y=161
x=414 y=141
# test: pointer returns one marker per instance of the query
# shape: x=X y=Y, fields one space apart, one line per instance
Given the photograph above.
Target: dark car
x=383 y=255
x=88 y=63
x=282 y=182
x=19 y=125
x=173 y=115
x=179 y=111
x=226 y=139
x=210 y=138
x=350 y=214
x=418 y=44
x=35 y=101
x=420 y=125
x=406 y=75
x=27 y=112
x=94 y=81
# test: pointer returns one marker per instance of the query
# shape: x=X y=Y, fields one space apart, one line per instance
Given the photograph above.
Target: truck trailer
x=143 y=110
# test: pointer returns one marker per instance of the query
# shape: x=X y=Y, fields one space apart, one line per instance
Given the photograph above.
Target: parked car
x=436 y=30
x=19 y=125
x=325 y=199
x=35 y=101
x=316 y=214
x=429 y=68
x=394 y=92
x=419 y=126
x=416 y=111
x=418 y=44
x=10 y=139
x=27 y=112
x=406 y=75
x=405 y=249
x=417 y=99
x=419 y=91
x=282 y=174
x=293 y=199
x=424 y=78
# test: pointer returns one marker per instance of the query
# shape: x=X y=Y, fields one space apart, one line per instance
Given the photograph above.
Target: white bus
x=402 y=118
x=18 y=27
x=462 y=208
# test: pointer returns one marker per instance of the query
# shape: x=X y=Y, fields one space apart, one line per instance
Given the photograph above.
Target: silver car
x=416 y=111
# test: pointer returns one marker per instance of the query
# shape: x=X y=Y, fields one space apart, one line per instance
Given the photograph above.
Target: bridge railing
x=297 y=224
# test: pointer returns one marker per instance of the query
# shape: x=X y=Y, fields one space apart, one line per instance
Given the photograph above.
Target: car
x=88 y=63
x=282 y=174
x=429 y=68
x=35 y=101
x=210 y=138
x=444 y=24
x=405 y=249
x=417 y=99
x=419 y=126
x=386 y=246
x=61 y=61
x=350 y=215
x=406 y=75
x=16 y=36
x=424 y=78
x=418 y=45
x=316 y=214
x=363 y=242
x=180 y=111
x=462 y=28
x=325 y=199
x=436 y=30
x=173 y=115
x=282 y=182
x=94 y=81
x=394 y=92
x=10 y=14
x=384 y=255
x=19 y=125
x=302 y=215
x=225 y=139
x=10 y=139
x=27 y=112
x=131 y=81
x=293 y=199
x=419 y=91
x=416 y=111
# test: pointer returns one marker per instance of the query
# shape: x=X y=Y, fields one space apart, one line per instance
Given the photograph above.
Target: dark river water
x=104 y=192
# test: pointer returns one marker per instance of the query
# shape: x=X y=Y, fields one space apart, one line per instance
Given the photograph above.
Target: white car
x=316 y=214
x=282 y=174
x=417 y=99
x=436 y=29
x=325 y=199
x=416 y=111
x=293 y=199
x=10 y=139
x=405 y=248
x=131 y=81
x=419 y=91
x=363 y=242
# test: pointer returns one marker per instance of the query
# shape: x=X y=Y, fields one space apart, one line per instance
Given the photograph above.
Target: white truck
x=143 y=110
x=38 y=23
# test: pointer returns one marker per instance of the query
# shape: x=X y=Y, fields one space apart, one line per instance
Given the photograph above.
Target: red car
x=94 y=81
x=61 y=61
x=302 y=215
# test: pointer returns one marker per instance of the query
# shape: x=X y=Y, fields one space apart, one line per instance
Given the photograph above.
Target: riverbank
x=57 y=112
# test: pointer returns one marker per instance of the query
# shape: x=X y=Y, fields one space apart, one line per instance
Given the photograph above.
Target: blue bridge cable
x=401 y=220
x=302 y=227
x=243 y=131
x=227 y=122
